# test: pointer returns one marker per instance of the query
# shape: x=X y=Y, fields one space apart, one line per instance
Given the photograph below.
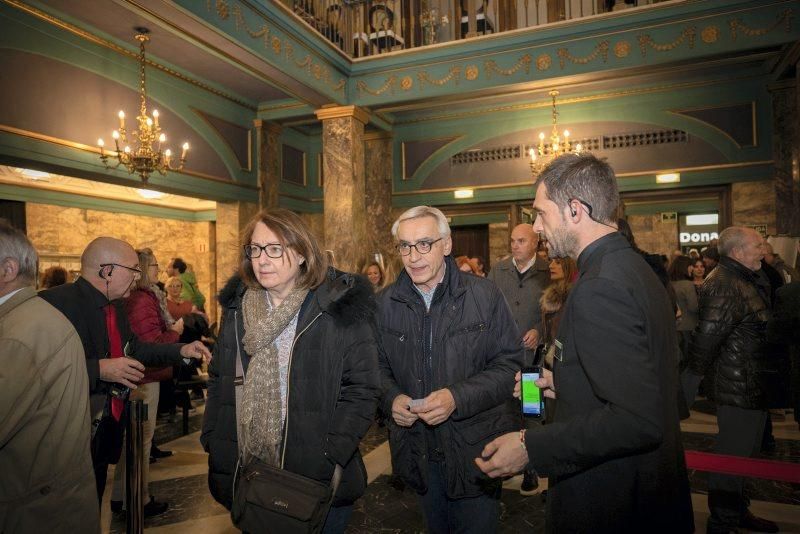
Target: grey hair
x=424 y=211
x=16 y=245
x=585 y=178
x=731 y=238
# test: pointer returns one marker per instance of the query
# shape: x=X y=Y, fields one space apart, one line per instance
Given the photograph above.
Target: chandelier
x=148 y=153
x=544 y=153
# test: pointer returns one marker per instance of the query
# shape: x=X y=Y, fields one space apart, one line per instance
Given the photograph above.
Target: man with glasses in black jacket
x=450 y=349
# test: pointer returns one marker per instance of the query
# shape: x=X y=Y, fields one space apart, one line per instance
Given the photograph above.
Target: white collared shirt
x=526 y=266
x=5 y=298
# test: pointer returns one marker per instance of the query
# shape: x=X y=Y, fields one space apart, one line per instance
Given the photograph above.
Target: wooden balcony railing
x=365 y=27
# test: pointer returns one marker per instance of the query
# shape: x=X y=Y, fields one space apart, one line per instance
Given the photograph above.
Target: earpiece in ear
x=101 y=274
x=572 y=210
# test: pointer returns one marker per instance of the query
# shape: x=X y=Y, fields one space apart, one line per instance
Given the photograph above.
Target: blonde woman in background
x=375 y=274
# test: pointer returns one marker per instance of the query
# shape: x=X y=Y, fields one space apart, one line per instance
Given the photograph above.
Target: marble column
x=269 y=157
x=232 y=217
x=786 y=155
x=344 y=188
x=378 y=170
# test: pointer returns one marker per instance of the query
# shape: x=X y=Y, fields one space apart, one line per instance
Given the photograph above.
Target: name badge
x=559 y=353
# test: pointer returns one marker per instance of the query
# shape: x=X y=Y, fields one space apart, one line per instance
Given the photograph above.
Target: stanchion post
x=134 y=445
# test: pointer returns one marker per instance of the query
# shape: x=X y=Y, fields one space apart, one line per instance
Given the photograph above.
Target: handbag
x=271 y=499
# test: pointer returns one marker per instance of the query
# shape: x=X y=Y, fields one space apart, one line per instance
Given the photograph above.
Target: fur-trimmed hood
x=347 y=297
x=554 y=297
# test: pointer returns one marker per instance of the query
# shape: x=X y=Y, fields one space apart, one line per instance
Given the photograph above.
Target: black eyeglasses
x=137 y=272
x=423 y=247
x=273 y=250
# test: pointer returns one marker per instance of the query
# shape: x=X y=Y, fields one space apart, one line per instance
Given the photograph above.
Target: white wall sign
x=697 y=237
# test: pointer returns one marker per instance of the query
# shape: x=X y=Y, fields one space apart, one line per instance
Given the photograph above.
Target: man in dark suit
x=613 y=453
x=113 y=354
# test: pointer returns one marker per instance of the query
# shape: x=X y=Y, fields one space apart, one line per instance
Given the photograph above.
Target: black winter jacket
x=333 y=387
x=728 y=345
x=475 y=353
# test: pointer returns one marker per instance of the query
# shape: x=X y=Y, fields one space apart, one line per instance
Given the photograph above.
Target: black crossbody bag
x=269 y=499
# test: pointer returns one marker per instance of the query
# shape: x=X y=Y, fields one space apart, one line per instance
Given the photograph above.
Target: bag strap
x=238 y=383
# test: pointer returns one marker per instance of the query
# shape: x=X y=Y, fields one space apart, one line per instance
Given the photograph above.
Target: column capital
x=272 y=127
x=337 y=112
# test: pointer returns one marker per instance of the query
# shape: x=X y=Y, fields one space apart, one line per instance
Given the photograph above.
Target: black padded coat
x=333 y=387
x=475 y=353
x=729 y=345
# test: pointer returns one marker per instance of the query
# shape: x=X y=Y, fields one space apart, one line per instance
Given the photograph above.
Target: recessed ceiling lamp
x=702 y=219
x=668 y=178
x=463 y=193
x=149 y=194
x=33 y=174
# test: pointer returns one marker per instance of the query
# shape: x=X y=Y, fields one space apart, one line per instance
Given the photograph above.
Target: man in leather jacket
x=729 y=348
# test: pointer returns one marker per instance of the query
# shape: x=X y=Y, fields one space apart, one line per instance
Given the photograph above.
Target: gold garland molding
x=391 y=81
x=687 y=34
x=274 y=43
x=600 y=49
x=454 y=74
x=522 y=63
x=737 y=26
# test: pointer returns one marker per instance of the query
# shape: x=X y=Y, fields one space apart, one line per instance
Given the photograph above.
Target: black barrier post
x=134 y=463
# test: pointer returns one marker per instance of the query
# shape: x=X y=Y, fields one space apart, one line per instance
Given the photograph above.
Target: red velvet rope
x=748 y=467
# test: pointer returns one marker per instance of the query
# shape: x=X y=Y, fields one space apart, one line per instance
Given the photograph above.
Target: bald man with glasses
x=114 y=356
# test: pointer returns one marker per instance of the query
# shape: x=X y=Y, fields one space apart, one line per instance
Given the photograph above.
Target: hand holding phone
x=531 y=398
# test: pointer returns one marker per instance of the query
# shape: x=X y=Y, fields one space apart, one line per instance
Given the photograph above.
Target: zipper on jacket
x=289 y=385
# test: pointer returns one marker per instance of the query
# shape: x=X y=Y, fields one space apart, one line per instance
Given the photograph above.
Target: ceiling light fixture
x=463 y=193
x=34 y=174
x=149 y=194
x=543 y=154
x=668 y=178
x=142 y=158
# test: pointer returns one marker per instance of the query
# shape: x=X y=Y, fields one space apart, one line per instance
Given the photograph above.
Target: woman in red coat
x=150 y=321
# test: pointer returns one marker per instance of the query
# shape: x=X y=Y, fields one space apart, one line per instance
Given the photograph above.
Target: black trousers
x=740 y=433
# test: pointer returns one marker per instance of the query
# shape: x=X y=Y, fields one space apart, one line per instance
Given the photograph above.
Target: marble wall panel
x=499 y=243
x=345 y=207
x=786 y=154
x=269 y=168
x=754 y=204
x=232 y=217
x=654 y=235
x=61 y=231
x=378 y=171
x=316 y=223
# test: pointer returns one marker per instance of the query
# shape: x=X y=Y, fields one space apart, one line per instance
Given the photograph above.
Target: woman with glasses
x=304 y=334
x=147 y=314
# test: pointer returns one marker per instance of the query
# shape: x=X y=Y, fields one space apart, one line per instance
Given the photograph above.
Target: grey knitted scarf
x=261 y=420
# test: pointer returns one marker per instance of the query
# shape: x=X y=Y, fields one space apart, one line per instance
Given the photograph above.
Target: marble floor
x=387 y=507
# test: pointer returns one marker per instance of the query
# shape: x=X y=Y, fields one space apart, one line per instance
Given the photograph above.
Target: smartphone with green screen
x=531 y=396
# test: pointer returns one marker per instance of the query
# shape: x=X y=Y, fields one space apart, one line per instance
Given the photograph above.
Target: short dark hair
x=586 y=178
x=712 y=252
x=679 y=268
x=54 y=276
x=178 y=263
x=292 y=233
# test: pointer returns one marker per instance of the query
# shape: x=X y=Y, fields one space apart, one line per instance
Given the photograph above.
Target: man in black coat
x=729 y=347
x=612 y=455
x=108 y=269
x=449 y=352
x=784 y=328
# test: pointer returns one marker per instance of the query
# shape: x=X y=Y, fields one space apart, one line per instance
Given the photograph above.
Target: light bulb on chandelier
x=143 y=159
x=543 y=154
